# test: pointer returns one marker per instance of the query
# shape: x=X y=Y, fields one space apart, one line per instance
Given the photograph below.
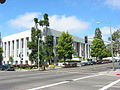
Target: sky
x=78 y=17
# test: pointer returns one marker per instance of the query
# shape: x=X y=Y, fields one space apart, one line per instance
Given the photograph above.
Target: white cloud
x=113 y=3
x=71 y=24
x=57 y=22
x=106 y=32
x=24 y=21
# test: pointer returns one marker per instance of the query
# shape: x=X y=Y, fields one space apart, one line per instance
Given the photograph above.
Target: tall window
x=22 y=46
x=5 y=49
x=8 y=48
x=22 y=40
x=17 y=41
x=13 y=48
x=27 y=40
x=17 y=44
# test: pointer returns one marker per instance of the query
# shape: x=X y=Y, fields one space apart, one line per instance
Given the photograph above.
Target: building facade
x=16 y=46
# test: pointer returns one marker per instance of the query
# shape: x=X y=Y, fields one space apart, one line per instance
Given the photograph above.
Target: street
x=79 y=78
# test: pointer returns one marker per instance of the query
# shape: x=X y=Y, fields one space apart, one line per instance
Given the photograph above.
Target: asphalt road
x=80 y=78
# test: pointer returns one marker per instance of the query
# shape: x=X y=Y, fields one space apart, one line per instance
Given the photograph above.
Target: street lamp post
x=38 y=56
x=111 y=45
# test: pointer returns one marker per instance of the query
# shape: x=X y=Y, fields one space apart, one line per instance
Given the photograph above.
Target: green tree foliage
x=48 y=44
x=1 y=57
x=48 y=47
x=45 y=51
x=115 y=36
x=33 y=45
x=45 y=21
x=98 y=49
x=98 y=34
x=64 y=46
x=116 y=41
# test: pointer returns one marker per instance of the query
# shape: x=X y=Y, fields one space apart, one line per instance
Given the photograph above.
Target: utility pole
x=112 y=47
x=0 y=40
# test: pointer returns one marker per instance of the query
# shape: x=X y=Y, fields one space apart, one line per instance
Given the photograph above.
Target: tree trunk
x=43 y=67
x=64 y=60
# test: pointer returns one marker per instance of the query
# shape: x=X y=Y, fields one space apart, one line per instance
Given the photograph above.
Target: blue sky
x=78 y=17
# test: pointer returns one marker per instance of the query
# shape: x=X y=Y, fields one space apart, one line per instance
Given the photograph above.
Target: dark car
x=84 y=63
x=110 y=61
x=92 y=62
x=2 y=67
x=7 y=67
x=99 y=62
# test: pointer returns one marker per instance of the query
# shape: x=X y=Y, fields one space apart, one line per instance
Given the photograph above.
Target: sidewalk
x=111 y=72
x=32 y=70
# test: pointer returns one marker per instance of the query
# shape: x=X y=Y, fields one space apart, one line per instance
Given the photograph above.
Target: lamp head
x=98 y=22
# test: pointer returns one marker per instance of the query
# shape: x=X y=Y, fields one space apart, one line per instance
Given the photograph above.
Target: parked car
x=110 y=61
x=2 y=67
x=84 y=63
x=99 y=62
x=7 y=67
x=92 y=62
x=106 y=61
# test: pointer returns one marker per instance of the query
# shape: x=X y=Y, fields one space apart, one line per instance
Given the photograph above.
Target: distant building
x=16 y=46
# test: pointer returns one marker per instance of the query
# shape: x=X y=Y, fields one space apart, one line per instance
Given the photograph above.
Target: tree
x=11 y=59
x=33 y=45
x=98 y=49
x=64 y=46
x=98 y=34
x=116 y=41
x=35 y=36
x=115 y=36
x=45 y=21
x=1 y=57
x=2 y=1
x=48 y=46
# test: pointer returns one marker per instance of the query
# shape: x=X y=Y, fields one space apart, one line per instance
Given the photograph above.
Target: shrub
x=77 y=57
x=69 y=61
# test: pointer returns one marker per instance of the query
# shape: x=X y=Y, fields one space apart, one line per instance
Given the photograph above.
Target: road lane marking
x=50 y=85
x=86 y=77
x=54 y=84
x=110 y=85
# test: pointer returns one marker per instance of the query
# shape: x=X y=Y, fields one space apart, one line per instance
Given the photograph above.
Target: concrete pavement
x=87 y=78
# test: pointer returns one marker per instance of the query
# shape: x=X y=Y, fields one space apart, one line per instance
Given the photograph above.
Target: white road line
x=50 y=85
x=54 y=84
x=110 y=85
x=86 y=77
